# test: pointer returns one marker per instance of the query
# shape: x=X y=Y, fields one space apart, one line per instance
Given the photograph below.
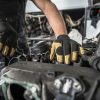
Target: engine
x=42 y=79
x=40 y=37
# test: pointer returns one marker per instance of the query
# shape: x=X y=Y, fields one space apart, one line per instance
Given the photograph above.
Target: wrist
x=63 y=37
x=57 y=35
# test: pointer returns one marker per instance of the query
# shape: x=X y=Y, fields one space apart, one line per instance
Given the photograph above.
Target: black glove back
x=66 y=50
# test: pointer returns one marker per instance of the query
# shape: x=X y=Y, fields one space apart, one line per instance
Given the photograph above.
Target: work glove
x=8 y=39
x=67 y=50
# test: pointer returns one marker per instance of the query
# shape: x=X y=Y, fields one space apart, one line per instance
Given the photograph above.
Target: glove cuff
x=63 y=37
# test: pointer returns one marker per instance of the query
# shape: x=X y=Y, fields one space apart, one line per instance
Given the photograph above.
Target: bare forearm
x=54 y=17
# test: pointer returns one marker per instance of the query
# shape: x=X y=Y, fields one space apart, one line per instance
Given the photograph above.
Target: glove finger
x=7 y=47
x=66 y=50
x=3 y=39
x=1 y=46
x=5 y=50
x=67 y=59
x=74 y=51
x=11 y=43
x=59 y=53
x=52 y=53
x=12 y=52
x=82 y=51
x=57 y=50
x=8 y=51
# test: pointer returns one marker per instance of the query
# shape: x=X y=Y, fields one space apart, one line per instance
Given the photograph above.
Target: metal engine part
x=31 y=81
x=40 y=52
x=23 y=88
x=68 y=87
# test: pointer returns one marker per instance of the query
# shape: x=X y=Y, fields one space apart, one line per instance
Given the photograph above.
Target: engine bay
x=72 y=83
x=54 y=81
x=40 y=37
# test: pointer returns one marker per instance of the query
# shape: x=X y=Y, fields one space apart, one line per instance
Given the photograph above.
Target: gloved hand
x=8 y=39
x=66 y=50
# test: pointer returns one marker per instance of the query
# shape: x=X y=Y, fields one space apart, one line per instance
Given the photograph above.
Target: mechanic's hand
x=66 y=50
x=8 y=39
